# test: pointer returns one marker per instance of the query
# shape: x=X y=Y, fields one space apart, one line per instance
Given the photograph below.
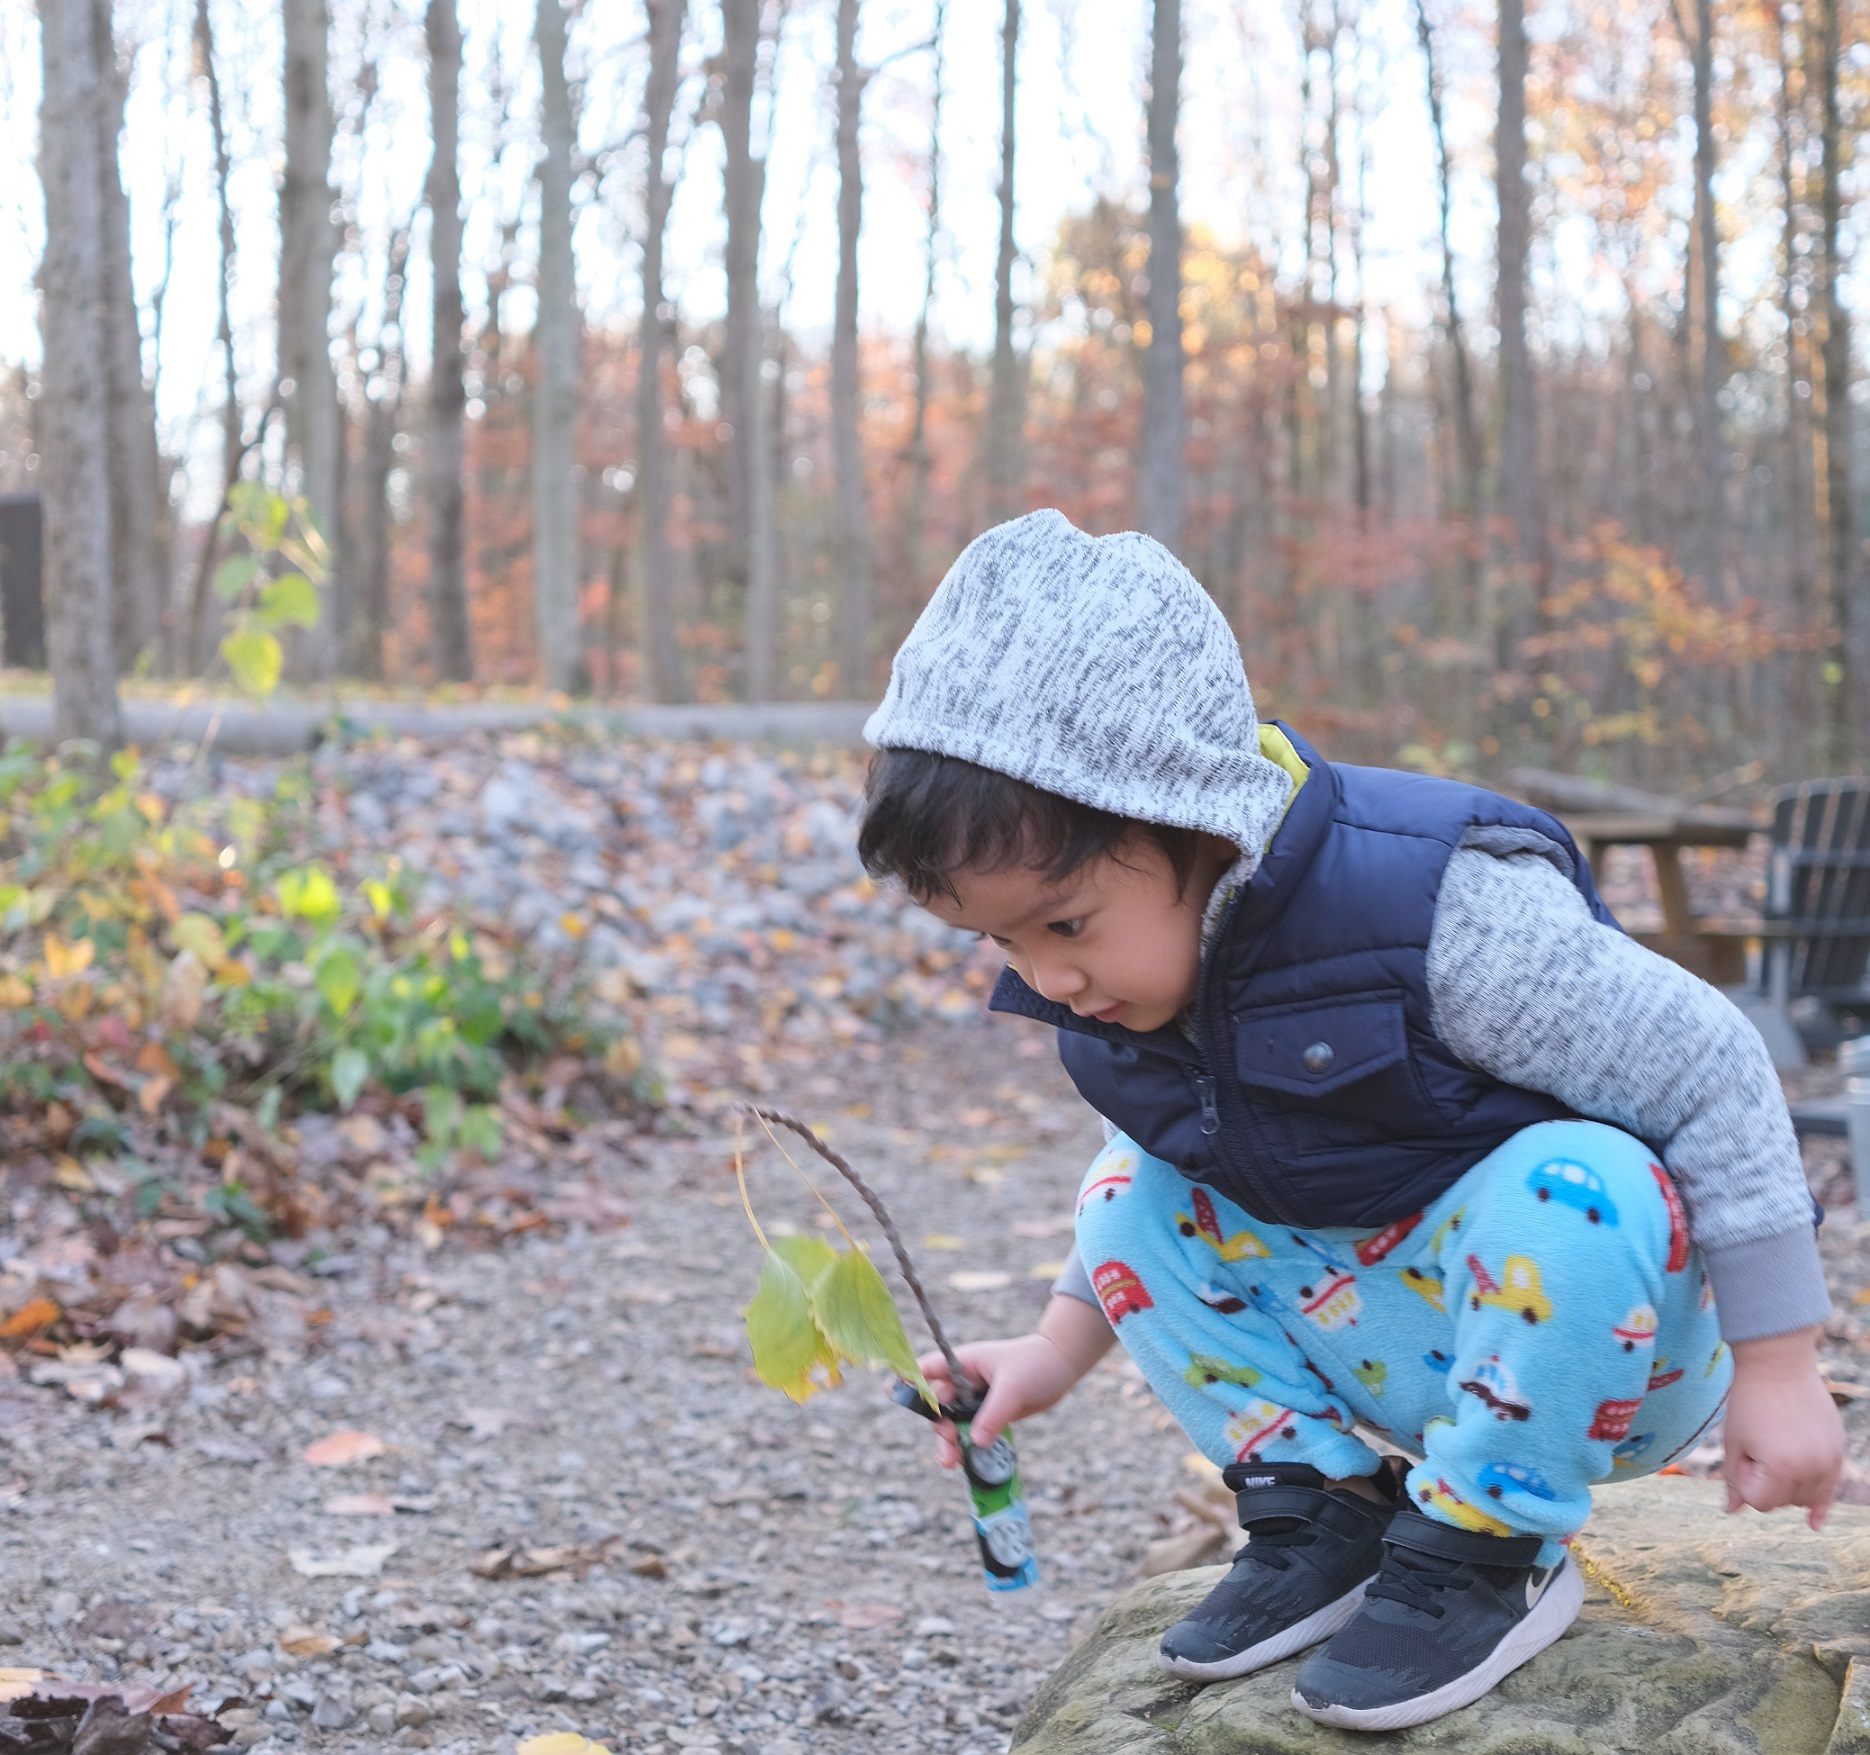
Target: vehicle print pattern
x=1509 y=1339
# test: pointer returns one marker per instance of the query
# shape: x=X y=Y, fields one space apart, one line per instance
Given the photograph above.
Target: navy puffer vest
x=1319 y=1093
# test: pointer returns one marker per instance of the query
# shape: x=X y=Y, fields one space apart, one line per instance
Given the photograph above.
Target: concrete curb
x=282 y=729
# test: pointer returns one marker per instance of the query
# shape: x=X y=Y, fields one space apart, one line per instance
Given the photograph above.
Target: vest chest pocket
x=1342 y=1065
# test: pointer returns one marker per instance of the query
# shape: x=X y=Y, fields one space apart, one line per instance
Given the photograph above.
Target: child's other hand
x=1785 y=1440
x=1023 y=1376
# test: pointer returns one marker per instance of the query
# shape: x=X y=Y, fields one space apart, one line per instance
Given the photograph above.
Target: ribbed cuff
x=1768 y=1285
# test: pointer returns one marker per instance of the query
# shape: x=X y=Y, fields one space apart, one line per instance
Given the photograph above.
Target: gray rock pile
x=1701 y=1633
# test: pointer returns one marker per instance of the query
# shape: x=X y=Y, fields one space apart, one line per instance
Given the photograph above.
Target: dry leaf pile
x=47 y=1715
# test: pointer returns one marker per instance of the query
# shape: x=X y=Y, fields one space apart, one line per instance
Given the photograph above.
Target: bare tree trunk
x=846 y=388
x=916 y=516
x=1470 y=455
x=74 y=414
x=1310 y=479
x=554 y=487
x=1704 y=289
x=740 y=326
x=662 y=658
x=134 y=478
x=1840 y=522
x=308 y=247
x=1333 y=303
x=380 y=423
x=1521 y=496
x=1795 y=302
x=743 y=347
x=185 y=654
x=447 y=459
x=1360 y=318
x=1005 y=406
x=1163 y=485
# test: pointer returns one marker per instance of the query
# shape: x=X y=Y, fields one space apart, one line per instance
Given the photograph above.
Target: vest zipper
x=1212 y=1026
x=1210 y=1110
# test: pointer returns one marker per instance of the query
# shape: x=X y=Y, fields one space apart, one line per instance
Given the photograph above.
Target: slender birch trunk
x=383 y=416
x=846 y=386
x=915 y=538
x=447 y=447
x=308 y=248
x=1521 y=495
x=743 y=347
x=1843 y=684
x=662 y=658
x=1704 y=308
x=1470 y=453
x=188 y=606
x=74 y=417
x=1005 y=410
x=135 y=475
x=1163 y=463
x=1795 y=302
x=554 y=487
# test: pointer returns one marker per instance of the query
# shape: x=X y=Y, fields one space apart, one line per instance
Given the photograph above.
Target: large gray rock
x=1701 y=1635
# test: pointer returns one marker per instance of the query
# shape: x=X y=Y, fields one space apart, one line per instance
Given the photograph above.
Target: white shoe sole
x=1317 y=1626
x=1548 y=1618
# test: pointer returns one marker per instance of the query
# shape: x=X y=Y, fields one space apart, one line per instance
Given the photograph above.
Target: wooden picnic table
x=1719 y=957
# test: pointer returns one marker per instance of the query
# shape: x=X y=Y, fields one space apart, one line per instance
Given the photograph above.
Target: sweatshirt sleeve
x=1526 y=984
x=1073 y=1281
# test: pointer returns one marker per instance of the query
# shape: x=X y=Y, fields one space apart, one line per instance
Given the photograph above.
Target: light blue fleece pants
x=1541 y=1326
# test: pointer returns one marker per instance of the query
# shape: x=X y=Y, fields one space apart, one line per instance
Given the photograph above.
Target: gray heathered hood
x=1094 y=667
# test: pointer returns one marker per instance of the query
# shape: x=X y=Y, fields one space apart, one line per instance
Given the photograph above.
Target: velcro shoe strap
x=1425 y=1535
x=1334 y=1511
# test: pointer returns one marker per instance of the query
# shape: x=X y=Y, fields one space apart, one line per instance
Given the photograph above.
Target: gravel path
x=758 y=1578
x=680 y=1558
x=762 y=1578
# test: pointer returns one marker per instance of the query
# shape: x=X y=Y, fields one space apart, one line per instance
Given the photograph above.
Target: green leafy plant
x=270 y=581
x=169 y=956
x=819 y=1308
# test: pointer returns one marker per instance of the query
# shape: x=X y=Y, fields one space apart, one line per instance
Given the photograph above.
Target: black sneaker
x=1449 y=1614
x=1310 y=1550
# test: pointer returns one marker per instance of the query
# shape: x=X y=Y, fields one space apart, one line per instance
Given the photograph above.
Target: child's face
x=1113 y=940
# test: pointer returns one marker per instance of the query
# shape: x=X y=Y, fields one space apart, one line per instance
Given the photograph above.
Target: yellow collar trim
x=1277 y=748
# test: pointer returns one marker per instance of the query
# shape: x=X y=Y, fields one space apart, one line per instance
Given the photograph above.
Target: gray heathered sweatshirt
x=1099 y=669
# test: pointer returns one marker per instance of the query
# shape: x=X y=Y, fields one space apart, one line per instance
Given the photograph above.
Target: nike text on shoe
x=1310 y=1550
x=1447 y=1616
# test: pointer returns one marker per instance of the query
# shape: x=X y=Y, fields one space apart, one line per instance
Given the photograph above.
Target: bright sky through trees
x=1081 y=88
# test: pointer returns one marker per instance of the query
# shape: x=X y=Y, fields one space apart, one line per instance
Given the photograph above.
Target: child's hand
x=1023 y=1376
x=1785 y=1440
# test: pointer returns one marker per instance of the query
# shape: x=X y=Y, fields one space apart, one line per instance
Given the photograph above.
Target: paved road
x=282 y=728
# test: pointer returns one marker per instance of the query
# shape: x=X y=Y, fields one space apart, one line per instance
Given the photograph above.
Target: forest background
x=1492 y=368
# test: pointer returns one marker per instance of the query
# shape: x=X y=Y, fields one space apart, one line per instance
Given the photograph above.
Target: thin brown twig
x=963 y=1383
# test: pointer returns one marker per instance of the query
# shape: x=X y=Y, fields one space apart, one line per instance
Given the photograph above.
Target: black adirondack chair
x=1815 y=926
x=1814 y=930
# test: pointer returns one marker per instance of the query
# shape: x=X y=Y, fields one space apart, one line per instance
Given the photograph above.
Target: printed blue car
x=1572 y=1185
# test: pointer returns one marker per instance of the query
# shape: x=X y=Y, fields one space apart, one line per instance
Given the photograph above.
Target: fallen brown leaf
x=343 y=1448
x=536 y=1562
x=29 y=1319
x=360 y=1505
x=364 y=1561
x=488 y=1422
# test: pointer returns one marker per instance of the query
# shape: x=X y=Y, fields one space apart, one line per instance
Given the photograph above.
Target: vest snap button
x=1318 y=1057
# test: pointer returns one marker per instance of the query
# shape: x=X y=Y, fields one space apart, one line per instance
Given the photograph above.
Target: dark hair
x=927 y=816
